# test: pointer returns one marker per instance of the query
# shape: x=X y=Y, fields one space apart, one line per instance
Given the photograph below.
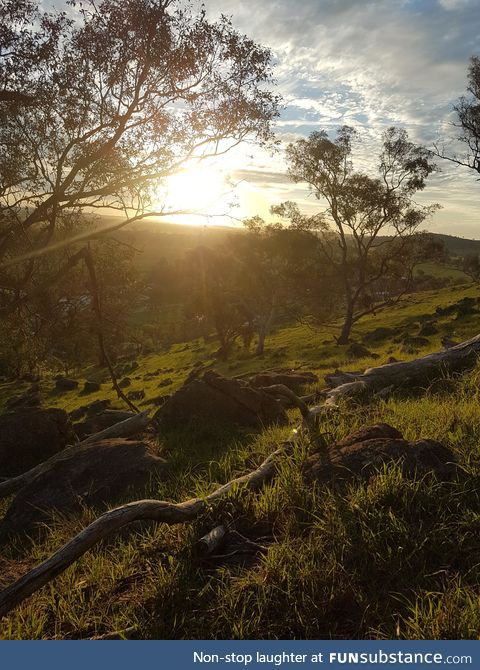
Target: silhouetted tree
x=467 y=110
x=373 y=220
x=120 y=95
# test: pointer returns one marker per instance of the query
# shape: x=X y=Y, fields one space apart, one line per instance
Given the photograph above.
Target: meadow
x=396 y=558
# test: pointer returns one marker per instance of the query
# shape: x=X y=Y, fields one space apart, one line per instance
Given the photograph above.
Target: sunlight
x=202 y=192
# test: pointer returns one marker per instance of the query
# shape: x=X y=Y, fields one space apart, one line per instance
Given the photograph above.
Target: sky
x=368 y=64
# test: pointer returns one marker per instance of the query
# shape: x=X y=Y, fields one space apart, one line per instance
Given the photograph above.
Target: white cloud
x=454 y=4
x=370 y=64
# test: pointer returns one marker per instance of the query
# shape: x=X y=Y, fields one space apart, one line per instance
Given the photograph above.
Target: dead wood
x=405 y=373
x=113 y=520
x=127 y=428
x=131 y=426
x=207 y=544
x=371 y=381
x=281 y=390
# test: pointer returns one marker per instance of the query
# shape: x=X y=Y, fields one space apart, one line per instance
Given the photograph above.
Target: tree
x=467 y=110
x=372 y=220
x=100 y=105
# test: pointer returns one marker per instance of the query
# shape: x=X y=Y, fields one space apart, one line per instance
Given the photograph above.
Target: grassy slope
x=395 y=559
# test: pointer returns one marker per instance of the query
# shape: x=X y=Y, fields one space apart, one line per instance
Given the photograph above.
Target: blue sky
x=369 y=64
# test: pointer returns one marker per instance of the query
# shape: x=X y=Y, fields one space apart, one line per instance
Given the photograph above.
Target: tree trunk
x=344 y=336
x=410 y=374
x=261 y=342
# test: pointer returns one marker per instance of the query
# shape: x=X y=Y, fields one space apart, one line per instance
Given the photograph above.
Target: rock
x=292 y=380
x=77 y=414
x=428 y=328
x=466 y=306
x=356 y=350
x=392 y=359
x=98 y=422
x=217 y=399
x=412 y=343
x=90 y=387
x=97 y=406
x=365 y=451
x=158 y=400
x=136 y=395
x=125 y=382
x=378 y=335
x=95 y=475
x=31 y=398
x=30 y=436
x=448 y=343
x=65 y=384
x=165 y=382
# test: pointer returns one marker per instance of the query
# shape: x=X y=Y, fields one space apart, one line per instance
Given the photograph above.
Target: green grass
x=395 y=559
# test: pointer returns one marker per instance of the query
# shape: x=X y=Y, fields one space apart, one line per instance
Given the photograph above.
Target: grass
x=395 y=559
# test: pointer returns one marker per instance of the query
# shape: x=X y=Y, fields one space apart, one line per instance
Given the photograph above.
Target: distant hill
x=459 y=246
x=158 y=239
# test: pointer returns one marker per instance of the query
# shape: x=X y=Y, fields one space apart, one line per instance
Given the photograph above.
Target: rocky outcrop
x=93 y=475
x=363 y=452
x=214 y=398
x=63 y=384
x=29 y=436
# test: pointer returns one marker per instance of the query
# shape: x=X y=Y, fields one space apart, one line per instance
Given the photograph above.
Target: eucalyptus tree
x=101 y=102
x=368 y=223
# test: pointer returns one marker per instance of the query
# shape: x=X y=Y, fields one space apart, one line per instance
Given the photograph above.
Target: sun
x=194 y=195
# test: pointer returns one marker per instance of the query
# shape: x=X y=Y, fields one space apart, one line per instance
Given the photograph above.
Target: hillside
x=396 y=558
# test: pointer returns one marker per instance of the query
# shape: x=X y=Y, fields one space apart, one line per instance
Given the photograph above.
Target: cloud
x=454 y=4
x=371 y=65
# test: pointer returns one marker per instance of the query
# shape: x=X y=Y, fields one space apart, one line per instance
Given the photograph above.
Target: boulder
x=357 y=350
x=428 y=328
x=65 y=384
x=95 y=475
x=466 y=306
x=214 y=398
x=292 y=380
x=378 y=335
x=97 y=406
x=165 y=382
x=123 y=383
x=29 y=436
x=136 y=395
x=31 y=398
x=365 y=451
x=98 y=422
x=412 y=343
x=91 y=387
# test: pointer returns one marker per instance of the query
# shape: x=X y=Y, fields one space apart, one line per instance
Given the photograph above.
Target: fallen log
x=113 y=520
x=207 y=544
x=373 y=380
x=412 y=373
x=126 y=428
x=280 y=390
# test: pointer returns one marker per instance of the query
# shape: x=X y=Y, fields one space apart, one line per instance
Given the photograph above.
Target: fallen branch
x=135 y=424
x=207 y=544
x=371 y=381
x=283 y=391
x=414 y=373
x=127 y=428
x=110 y=522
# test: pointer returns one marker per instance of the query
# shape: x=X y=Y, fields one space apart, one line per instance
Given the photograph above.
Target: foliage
x=361 y=209
x=467 y=110
x=119 y=95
